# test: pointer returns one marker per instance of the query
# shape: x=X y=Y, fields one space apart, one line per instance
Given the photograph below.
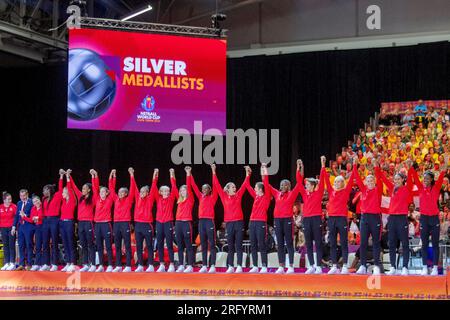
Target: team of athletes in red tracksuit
x=104 y=214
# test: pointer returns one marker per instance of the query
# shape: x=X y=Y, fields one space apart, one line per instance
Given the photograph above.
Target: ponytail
x=5 y=194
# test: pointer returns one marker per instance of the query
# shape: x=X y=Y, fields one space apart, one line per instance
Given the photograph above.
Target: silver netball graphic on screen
x=91 y=85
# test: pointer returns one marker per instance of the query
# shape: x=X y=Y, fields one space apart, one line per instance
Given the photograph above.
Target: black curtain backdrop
x=318 y=100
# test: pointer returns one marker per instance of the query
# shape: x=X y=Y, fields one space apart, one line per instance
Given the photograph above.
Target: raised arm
x=379 y=181
x=173 y=190
x=72 y=185
x=349 y=186
x=358 y=179
x=249 y=188
x=189 y=183
x=61 y=180
x=216 y=183
x=409 y=180
x=246 y=182
x=112 y=183
x=415 y=178
x=194 y=187
x=439 y=182
x=133 y=187
x=389 y=185
x=154 y=187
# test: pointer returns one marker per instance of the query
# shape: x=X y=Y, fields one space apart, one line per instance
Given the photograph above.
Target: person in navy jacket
x=24 y=229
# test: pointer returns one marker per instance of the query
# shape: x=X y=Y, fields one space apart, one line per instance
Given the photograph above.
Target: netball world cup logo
x=148 y=104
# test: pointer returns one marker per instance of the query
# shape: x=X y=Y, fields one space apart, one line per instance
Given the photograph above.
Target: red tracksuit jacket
x=338 y=200
x=232 y=205
x=284 y=202
x=206 y=203
x=164 y=206
x=312 y=201
x=400 y=197
x=184 y=209
x=122 y=207
x=143 y=206
x=103 y=207
x=68 y=206
x=53 y=209
x=260 y=203
x=370 y=200
x=85 y=210
x=7 y=215
x=429 y=196
x=35 y=212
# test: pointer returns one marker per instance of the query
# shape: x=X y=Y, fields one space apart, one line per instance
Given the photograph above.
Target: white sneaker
x=171 y=268
x=361 y=270
x=290 y=270
x=65 y=268
x=127 y=269
x=92 y=268
x=405 y=271
x=139 y=269
x=44 y=268
x=280 y=270
x=117 y=269
x=150 y=268
x=434 y=271
x=34 y=268
x=71 y=268
x=203 y=269
x=11 y=267
x=109 y=269
x=180 y=269
x=318 y=270
x=263 y=270
x=161 y=268
x=424 y=271
x=391 y=271
x=310 y=270
x=230 y=270
x=376 y=271
x=54 y=268
x=100 y=268
x=238 y=269
x=212 y=269
x=254 y=270
x=189 y=269
x=334 y=269
x=85 y=268
x=345 y=270
x=5 y=266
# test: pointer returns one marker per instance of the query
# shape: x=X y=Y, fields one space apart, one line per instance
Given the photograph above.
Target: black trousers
x=370 y=226
x=312 y=227
x=235 y=237
x=122 y=230
x=87 y=238
x=103 y=231
x=207 y=231
x=144 y=231
x=164 y=230
x=338 y=225
x=398 y=231
x=429 y=225
x=183 y=235
x=284 y=231
x=258 y=238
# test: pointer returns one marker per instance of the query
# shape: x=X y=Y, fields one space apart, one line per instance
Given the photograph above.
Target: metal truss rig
x=152 y=27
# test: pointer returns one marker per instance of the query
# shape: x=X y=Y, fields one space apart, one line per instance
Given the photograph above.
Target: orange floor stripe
x=298 y=285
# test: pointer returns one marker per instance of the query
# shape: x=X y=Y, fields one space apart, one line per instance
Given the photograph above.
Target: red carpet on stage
x=255 y=285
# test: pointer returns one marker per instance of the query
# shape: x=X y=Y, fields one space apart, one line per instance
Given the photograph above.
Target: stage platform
x=297 y=285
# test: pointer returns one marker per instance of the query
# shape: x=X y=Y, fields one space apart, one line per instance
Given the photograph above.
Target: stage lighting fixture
x=148 y=8
x=216 y=18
